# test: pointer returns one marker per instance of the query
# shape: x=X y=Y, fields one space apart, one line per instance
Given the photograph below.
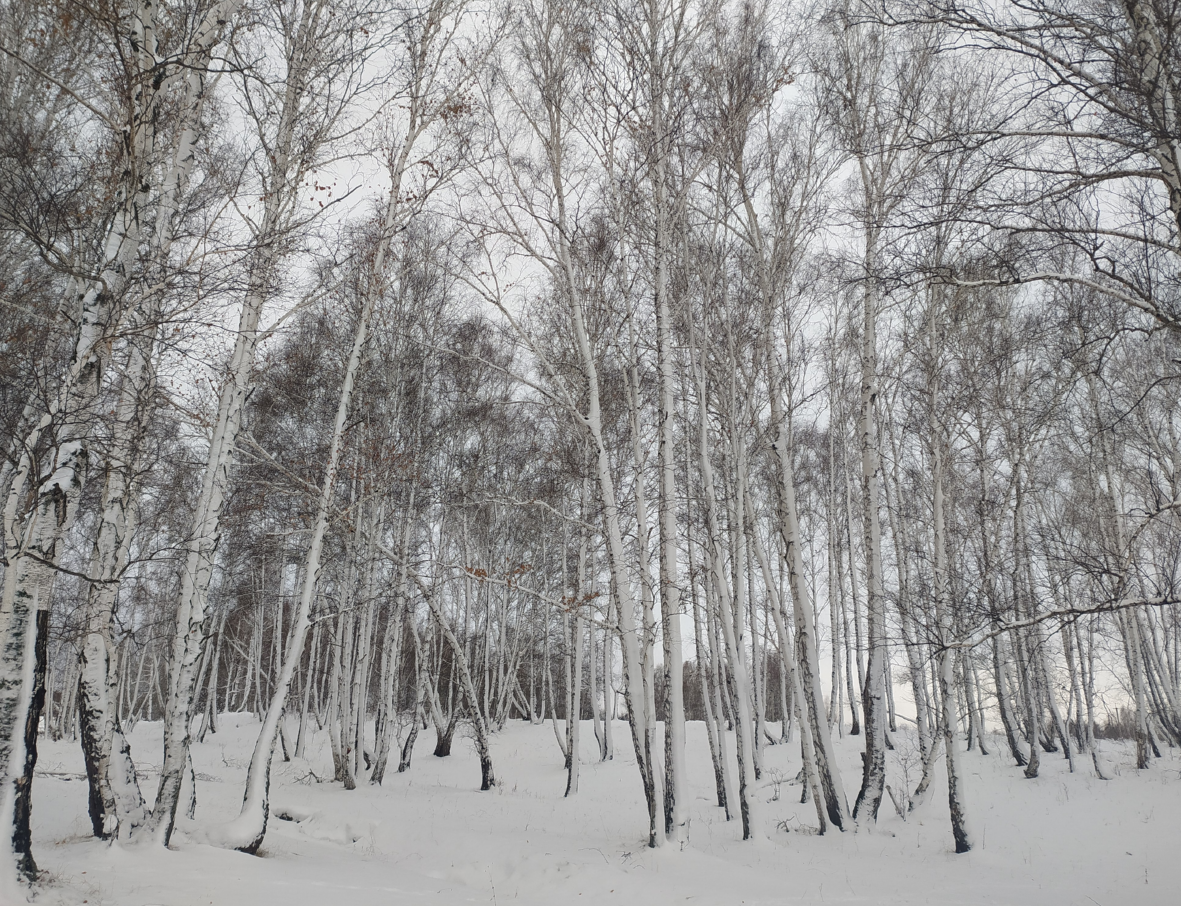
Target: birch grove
x=806 y=370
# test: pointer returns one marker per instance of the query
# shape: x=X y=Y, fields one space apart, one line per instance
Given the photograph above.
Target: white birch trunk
x=789 y=662
x=873 y=778
x=549 y=47
x=247 y=831
x=487 y=775
x=32 y=534
x=809 y=659
x=731 y=612
x=116 y=805
x=286 y=162
x=945 y=624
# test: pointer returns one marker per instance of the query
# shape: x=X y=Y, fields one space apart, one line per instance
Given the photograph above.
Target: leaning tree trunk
x=193 y=605
x=422 y=681
x=33 y=533
x=287 y=161
x=479 y=724
x=247 y=831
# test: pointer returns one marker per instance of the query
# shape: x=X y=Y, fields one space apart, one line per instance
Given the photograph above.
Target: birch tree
x=429 y=46
x=551 y=55
x=876 y=92
x=300 y=112
x=143 y=79
x=764 y=159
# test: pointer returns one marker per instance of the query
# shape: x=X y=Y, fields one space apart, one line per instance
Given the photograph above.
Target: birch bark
x=32 y=535
x=306 y=120
x=943 y=615
x=548 y=56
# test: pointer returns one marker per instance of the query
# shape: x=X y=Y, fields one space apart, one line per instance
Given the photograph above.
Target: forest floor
x=430 y=837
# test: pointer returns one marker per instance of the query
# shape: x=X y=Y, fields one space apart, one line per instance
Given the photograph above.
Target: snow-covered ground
x=430 y=837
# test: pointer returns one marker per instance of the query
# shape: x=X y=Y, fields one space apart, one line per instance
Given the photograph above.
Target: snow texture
x=430 y=837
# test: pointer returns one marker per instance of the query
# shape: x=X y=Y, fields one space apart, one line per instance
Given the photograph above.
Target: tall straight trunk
x=358 y=693
x=391 y=665
x=945 y=623
x=1133 y=658
x=33 y=544
x=567 y=665
x=731 y=612
x=550 y=698
x=849 y=654
x=789 y=660
x=573 y=704
x=574 y=651
x=858 y=638
x=743 y=579
x=592 y=661
x=873 y=778
x=363 y=663
x=115 y=802
x=976 y=727
x=346 y=705
x=717 y=674
x=653 y=779
x=808 y=663
x=549 y=48
x=835 y=713
x=913 y=647
x=257 y=668
x=717 y=752
x=301 y=736
x=786 y=701
x=387 y=692
x=35 y=518
x=333 y=678
x=675 y=821
x=608 y=682
x=739 y=683
x=658 y=52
